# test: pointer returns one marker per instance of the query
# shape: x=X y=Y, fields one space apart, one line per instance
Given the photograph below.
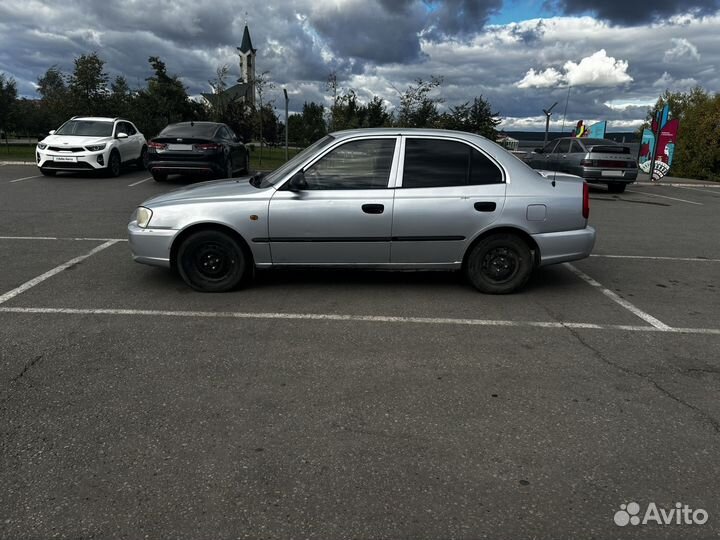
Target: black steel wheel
x=211 y=261
x=499 y=264
x=114 y=165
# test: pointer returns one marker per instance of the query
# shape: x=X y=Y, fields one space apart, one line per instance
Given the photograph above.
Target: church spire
x=246 y=45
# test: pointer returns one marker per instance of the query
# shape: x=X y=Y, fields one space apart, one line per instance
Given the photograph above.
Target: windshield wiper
x=256 y=178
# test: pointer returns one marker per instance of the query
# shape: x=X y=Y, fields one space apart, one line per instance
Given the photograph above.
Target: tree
x=262 y=84
x=121 y=98
x=417 y=106
x=377 y=114
x=474 y=118
x=88 y=85
x=8 y=97
x=54 y=97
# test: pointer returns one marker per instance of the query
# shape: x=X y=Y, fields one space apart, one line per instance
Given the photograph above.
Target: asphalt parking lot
x=354 y=404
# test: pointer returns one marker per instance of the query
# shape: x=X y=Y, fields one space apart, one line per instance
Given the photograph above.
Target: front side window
x=431 y=163
x=361 y=164
x=548 y=148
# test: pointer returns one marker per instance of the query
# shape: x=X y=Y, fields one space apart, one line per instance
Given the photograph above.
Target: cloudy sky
x=612 y=57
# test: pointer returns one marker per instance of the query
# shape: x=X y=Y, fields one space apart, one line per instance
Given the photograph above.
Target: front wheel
x=616 y=187
x=114 y=165
x=499 y=264
x=211 y=261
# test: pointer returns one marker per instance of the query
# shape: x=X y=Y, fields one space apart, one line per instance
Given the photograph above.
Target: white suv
x=91 y=144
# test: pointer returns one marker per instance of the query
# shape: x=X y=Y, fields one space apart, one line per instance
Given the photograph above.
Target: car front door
x=338 y=210
x=542 y=159
x=448 y=192
x=125 y=145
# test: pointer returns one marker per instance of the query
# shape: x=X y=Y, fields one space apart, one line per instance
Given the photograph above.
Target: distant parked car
x=91 y=144
x=596 y=160
x=373 y=198
x=208 y=149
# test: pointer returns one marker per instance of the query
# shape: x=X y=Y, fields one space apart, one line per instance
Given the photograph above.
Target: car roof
x=198 y=123
x=97 y=118
x=404 y=131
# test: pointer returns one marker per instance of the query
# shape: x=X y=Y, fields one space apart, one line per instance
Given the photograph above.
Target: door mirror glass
x=51 y=132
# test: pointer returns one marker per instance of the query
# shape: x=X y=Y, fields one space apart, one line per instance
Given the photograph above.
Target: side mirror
x=51 y=132
x=122 y=135
x=297 y=182
x=538 y=150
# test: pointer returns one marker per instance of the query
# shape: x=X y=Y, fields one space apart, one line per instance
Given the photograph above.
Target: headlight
x=41 y=146
x=143 y=216
x=95 y=147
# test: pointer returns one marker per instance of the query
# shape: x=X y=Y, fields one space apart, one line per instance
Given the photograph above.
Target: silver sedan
x=373 y=198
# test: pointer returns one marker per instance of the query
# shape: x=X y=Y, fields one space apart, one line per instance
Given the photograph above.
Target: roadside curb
x=677 y=184
x=17 y=163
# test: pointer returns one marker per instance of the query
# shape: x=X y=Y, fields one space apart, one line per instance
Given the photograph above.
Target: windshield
x=86 y=128
x=279 y=173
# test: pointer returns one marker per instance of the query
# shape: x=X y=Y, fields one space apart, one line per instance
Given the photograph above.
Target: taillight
x=587 y=162
x=586 y=200
x=157 y=146
x=206 y=147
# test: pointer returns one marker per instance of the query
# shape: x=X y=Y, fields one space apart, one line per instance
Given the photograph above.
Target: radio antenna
x=562 y=130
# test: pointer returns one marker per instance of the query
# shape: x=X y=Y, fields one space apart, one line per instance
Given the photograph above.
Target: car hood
x=232 y=188
x=72 y=141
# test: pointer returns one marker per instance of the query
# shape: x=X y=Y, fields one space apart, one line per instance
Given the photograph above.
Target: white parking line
x=61 y=238
x=26 y=178
x=354 y=318
x=648 y=257
x=619 y=300
x=50 y=273
x=663 y=197
x=140 y=181
x=698 y=189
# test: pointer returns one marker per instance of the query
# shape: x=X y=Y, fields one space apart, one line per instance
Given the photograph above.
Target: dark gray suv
x=596 y=160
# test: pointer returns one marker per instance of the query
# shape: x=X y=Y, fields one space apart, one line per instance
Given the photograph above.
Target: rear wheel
x=141 y=162
x=499 y=264
x=228 y=168
x=47 y=172
x=616 y=187
x=211 y=261
x=159 y=177
x=114 y=164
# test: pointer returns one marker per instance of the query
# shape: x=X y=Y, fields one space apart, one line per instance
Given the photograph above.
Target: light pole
x=287 y=100
x=548 y=114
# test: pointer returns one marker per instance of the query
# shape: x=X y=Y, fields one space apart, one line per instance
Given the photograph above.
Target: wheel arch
x=523 y=235
x=209 y=226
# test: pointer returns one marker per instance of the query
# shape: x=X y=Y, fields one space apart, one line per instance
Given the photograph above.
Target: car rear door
x=343 y=214
x=447 y=192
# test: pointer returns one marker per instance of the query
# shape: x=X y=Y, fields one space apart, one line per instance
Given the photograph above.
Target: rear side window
x=576 y=148
x=563 y=147
x=437 y=163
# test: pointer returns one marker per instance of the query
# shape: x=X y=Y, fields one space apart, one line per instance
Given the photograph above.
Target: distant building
x=244 y=90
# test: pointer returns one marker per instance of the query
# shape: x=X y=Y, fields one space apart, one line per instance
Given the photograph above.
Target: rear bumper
x=605 y=176
x=151 y=246
x=565 y=246
x=185 y=167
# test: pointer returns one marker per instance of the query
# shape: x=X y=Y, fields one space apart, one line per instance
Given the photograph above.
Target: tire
x=211 y=261
x=47 y=172
x=159 y=176
x=616 y=187
x=141 y=162
x=499 y=264
x=228 y=173
x=114 y=165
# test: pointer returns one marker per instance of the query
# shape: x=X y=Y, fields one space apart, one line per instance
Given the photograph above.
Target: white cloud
x=541 y=79
x=682 y=49
x=597 y=70
x=666 y=81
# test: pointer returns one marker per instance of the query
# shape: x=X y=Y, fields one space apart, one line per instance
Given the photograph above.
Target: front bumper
x=565 y=246
x=75 y=161
x=151 y=246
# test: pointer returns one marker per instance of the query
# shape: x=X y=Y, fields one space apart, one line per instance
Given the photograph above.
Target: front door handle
x=373 y=208
x=485 y=206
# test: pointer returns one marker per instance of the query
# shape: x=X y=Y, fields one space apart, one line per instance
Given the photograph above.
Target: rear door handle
x=373 y=208
x=485 y=206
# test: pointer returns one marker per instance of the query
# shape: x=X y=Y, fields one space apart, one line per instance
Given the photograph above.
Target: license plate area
x=612 y=173
x=66 y=159
x=180 y=147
